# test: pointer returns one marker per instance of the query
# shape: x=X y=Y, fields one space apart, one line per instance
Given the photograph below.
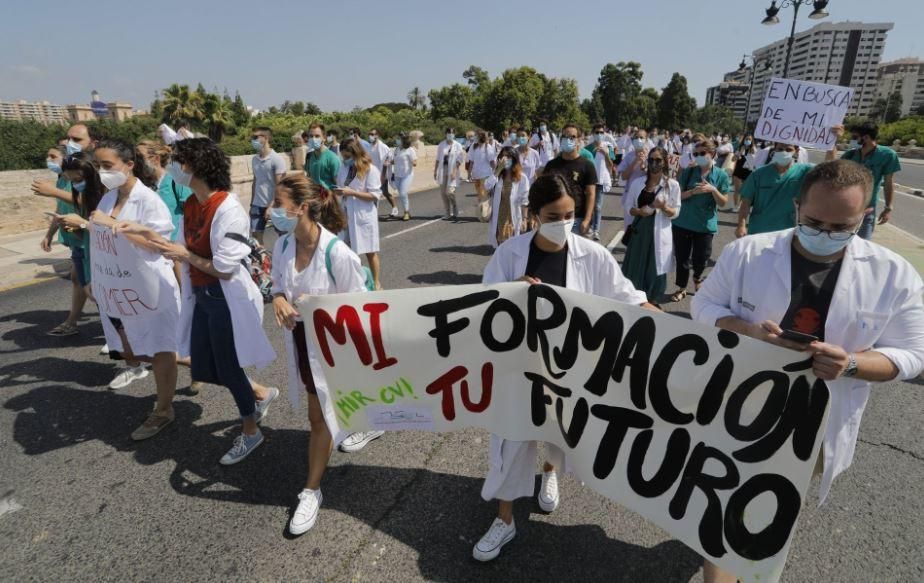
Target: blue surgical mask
x=282 y=220
x=348 y=162
x=314 y=143
x=256 y=145
x=747 y=142
x=637 y=143
x=53 y=166
x=600 y=138
x=820 y=245
x=567 y=145
x=543 y=128
x=854 y=144
x=522 y=140
x=782 y=158
x=180 y=176
x=450 y=137
x=398 y=143
x=508 y=163
x=703 y=161
x=72 y=147
x=79 y=186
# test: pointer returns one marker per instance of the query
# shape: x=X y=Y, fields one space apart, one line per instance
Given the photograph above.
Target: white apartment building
x=41 y=111
x=905 y=77
x=841 y=53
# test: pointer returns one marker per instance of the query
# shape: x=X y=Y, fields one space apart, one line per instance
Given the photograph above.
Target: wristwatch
x=852 y=368
x=887 y=209
x=83 y=226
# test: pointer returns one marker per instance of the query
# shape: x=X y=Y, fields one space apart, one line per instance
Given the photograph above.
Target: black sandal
x=679 y=295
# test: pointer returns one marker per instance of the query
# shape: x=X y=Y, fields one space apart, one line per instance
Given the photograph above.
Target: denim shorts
x=79 y=259
x=257 y=219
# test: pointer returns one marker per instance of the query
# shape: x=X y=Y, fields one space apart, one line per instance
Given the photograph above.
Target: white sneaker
x=356 y=441
x=548 y=492
x=309 y=502
x=494 y=540
x=595 y=235
x=128 y=376
x=104 y=349
x=394 y=212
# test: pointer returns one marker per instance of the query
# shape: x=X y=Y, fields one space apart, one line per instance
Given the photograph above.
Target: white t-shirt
x=481 y=156
x=530 y=162
x=404 y=161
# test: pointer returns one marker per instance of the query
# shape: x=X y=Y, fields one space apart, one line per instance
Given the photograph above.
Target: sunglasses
x=701 y=153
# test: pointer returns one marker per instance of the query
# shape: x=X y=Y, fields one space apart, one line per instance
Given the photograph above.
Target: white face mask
x=557 y=232
x=179 y=176
x=112 y=179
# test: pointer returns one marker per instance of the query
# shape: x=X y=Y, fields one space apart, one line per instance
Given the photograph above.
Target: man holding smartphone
x=861 y=302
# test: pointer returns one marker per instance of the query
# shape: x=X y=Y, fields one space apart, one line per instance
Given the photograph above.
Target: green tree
x=218 y=116
x=451 y=101
x=561 y=104
x=642 y=110
x=416 y=98
x=715 y=119
x=182 y=104
x=239 y=112
x=616 y=95
x=675 y=106
x=511 y=99
x=476 y=76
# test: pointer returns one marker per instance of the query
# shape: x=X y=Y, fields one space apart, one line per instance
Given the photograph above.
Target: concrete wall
x=21 y=211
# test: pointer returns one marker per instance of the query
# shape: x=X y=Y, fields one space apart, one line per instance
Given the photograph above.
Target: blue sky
x=348 y=53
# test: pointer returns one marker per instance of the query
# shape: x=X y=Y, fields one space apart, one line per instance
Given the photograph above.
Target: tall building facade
x=904 y=77
x=731 y=94
x=40 y=111
x=841 y=53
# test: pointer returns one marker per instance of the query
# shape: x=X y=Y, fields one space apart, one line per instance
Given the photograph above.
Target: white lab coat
x=590 y=269
x=876 y=305
x=379 y=152
x=147 y=335
x=313 y=280
x=547 y=147
x=243 y=296
x=663 y=237
x=481 y=156
x=455 y=153
x=604 y=178
x=530 y=162
x=519 y=198
x=362 y=216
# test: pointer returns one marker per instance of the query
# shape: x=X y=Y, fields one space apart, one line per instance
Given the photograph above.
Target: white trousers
x=512 y=472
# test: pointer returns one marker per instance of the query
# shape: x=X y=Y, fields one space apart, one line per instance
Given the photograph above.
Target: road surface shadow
x=445 y=278
x=31 y=333
x=483 y=250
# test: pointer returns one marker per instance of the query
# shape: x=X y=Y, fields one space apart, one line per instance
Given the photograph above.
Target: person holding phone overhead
x=861 y=301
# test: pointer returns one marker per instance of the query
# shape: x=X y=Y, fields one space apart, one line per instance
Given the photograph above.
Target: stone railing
x=21 y=211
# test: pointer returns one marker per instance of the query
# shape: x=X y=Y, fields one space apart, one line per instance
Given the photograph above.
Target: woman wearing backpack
x=221 y=318
x=309 y=259
x=360 y=188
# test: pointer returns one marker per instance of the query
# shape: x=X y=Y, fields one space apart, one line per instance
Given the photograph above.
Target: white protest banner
x=711 y=436
x=123 y=286
x=802 y=112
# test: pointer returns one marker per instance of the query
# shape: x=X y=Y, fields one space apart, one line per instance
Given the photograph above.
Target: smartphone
x=52 y=215
x=799 y=337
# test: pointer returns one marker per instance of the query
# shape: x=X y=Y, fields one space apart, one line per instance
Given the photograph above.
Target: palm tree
x=181 y=104
x=217 y=114
x=416 y=98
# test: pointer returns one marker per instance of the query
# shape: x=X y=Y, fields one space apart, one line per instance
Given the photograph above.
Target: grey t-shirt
x=264 y=178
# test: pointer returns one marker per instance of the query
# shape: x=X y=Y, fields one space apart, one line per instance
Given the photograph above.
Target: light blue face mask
x=820 y=245
x=522 y=140
x=53 y=166
x=508 y=163
x=703 y=161
x=567 y=145
x=282 y=220
x=782 y=158
x=79 y=186
x=600 y=138
x=637 y=143
x=256 y=145
x=314 y=143
x=747 y=142
x=348 y=162
x=72 y=147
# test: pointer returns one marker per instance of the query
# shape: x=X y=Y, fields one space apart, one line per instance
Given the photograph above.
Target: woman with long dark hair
x=509 y=187
x=654 y=201
x=744 y=165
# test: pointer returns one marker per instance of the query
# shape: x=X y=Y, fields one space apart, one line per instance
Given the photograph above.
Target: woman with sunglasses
x=704 y=188
x=654 y=203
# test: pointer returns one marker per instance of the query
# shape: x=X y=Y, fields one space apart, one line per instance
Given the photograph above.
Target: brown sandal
x=679 y=295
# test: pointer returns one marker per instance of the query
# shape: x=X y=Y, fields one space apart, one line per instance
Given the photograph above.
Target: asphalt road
x=82 y=502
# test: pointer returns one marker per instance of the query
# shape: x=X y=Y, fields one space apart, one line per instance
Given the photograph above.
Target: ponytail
x=323 y=207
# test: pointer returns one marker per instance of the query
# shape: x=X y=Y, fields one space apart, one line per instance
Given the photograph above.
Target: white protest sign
x=123 y=286
x=711 y=436
x=802 y=112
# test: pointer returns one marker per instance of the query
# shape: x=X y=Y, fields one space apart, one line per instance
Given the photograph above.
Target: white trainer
x=548 y=491
x=494 y=540
x=309 y=502
x=356 y=441
x=394 y=212
x=128 y=376
x=104 y=350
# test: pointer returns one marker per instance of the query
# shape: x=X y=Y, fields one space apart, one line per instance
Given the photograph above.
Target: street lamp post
x=819 y=12
x=755 y=63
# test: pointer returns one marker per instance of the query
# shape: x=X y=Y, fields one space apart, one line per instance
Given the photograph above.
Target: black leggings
x=691 y=249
